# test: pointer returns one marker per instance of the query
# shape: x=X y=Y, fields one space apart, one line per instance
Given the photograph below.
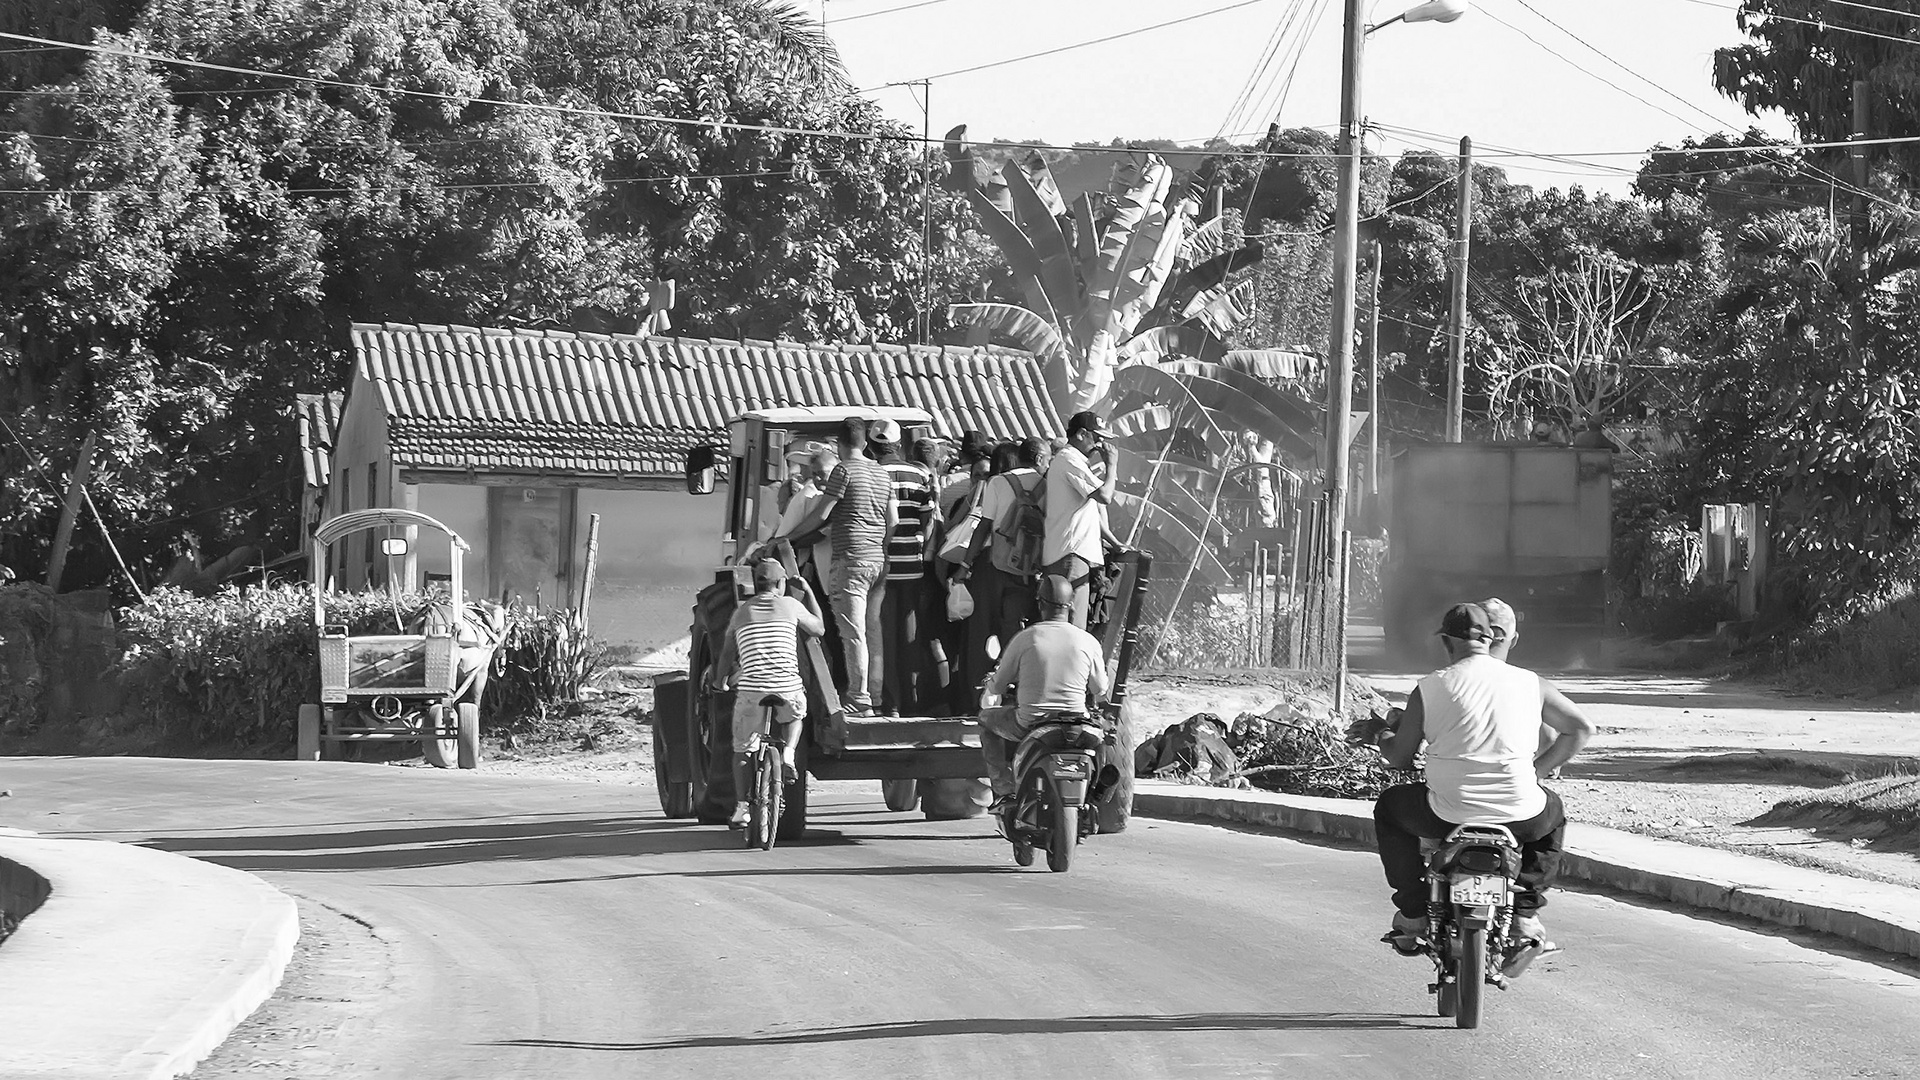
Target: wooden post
x=593 y=566
x=76 y=492
x=1340 y=631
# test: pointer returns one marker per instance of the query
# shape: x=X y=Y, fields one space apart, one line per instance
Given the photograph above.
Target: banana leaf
x=1177 y=538
x=1122 y=243
x=1022 y=260
x=1292 y=422
x=1041 y=178
x=1222 y=307
x=1086 y=238
x=1138 y=385
x=1269 y=363
x=1214 y=237
x=960 y=175
x=1140 y=287
x=1216 y=269
x=1042 y=229
x=1152 y=344
x=1029 y=331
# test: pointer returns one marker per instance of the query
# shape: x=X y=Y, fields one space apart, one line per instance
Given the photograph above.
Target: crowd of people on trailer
x=929 y=554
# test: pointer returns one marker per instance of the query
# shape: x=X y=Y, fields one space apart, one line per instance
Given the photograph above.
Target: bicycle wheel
x=768 y=792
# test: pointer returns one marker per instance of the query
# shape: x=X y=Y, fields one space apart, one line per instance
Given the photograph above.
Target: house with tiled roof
x=514 y=438
x=315 y=419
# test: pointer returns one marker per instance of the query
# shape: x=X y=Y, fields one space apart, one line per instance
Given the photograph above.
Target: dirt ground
x=1703 y=762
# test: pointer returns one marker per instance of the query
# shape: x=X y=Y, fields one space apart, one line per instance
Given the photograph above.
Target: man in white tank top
x=1480 y=720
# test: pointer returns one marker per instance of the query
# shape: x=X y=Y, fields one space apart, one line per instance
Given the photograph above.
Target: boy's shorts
x=750 y=717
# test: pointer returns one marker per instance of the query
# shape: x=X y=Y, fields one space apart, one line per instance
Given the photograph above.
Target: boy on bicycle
x=762 y=657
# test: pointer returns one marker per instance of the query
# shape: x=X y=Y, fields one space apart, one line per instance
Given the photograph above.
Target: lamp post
x=1346 y=244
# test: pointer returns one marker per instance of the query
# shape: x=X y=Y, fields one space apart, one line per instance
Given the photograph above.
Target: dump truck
x=937 y=754
x=1529 y=523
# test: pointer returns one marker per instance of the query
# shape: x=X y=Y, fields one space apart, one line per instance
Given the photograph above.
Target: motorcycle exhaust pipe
x=386 y=707
x=1109 y=776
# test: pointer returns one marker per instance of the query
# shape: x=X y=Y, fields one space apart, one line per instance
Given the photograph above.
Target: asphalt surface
x=564 y=929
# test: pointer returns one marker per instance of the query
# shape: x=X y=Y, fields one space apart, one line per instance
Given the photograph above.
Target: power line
x=885 y=11
x=1608 y=57
x=1563 y=58
x=1817 y=23
x=1076 y=45
x=1870 y=7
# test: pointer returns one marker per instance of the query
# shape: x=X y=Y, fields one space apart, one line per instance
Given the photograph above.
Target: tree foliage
x=181 y=249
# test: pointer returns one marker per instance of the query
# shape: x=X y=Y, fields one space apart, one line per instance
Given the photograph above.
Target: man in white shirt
x=1075 y=497
x=1480 y=719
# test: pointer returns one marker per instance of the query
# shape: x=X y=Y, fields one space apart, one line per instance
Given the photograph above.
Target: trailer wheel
x=900 y=794
x=307 y=744
x=468 y=735
x=440 y=753
x=952 y=800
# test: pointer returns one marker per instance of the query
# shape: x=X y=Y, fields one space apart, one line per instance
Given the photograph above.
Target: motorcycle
x=1057 y=779
x=1470 y=878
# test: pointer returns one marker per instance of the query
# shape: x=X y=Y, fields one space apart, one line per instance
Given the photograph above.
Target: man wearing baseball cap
x=1075 y=498
x=762 y=657
x=1479 y=719
x=1052 y=666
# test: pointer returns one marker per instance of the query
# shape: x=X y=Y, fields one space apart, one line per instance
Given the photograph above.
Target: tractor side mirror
x=700 y=467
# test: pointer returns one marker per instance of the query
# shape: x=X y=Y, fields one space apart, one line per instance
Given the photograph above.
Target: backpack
x=1021 y=534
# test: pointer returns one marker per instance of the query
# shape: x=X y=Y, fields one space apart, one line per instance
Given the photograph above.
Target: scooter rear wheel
x=1064 y=834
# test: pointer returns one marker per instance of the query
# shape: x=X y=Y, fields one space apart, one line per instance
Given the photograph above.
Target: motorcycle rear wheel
x=1064 y=834
x=1473 y=977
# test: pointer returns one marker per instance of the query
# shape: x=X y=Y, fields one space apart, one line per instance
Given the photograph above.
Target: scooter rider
x=1480 y=720
x=1055 y=666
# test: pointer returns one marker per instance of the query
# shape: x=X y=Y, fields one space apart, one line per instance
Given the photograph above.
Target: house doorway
x=531 y=544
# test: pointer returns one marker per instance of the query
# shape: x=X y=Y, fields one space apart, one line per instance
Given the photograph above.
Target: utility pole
x=76 y=495
x=1373 y=380
x=1346 y=245
x=926 y=205
x=1862 y=217
x=1457 y=328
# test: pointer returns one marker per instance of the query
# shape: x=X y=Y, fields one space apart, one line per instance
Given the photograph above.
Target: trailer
x=935 y=757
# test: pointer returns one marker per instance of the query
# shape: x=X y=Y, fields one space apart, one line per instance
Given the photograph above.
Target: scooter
x=1470 y=878
x=1057 y=779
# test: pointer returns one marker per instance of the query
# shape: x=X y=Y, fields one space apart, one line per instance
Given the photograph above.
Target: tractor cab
x=757 y=447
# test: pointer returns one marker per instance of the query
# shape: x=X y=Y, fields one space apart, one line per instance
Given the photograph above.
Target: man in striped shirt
x=903 y=664
x=761 y=657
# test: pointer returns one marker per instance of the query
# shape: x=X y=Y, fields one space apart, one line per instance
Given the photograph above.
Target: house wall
x=359 y=455
x=657 y=549
x=462 y=508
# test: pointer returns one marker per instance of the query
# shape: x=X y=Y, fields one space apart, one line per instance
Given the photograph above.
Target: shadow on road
x=1061 y=1025
x=448 y=845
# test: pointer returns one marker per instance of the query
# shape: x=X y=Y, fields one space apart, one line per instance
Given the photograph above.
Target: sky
x=1428 y=83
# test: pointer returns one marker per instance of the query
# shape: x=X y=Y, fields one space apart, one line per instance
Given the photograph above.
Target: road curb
x=1869 y=913
x=141 y=962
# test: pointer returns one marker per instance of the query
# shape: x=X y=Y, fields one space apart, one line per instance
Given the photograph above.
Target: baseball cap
x=768 y=572
x=1467 y=622
x=1055 y=591
x=1500 y=618
x=804 y=451
x=1087 y=421
x=884 y=431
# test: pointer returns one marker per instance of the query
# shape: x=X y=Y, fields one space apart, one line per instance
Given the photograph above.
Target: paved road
x=558 y=929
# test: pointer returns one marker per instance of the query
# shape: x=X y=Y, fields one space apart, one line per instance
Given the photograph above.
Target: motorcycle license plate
x=1483 y=890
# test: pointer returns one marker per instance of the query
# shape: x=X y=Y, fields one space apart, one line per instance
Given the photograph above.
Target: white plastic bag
x=959 y=601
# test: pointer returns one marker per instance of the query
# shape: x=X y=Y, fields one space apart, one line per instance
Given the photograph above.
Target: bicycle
x=769 y=783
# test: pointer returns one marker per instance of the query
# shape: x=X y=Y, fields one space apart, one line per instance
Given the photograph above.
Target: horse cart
x=423 y=682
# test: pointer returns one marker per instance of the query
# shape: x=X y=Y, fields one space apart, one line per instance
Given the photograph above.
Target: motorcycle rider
x=1479 y=718
x=1055 y=666
x=1506 y=631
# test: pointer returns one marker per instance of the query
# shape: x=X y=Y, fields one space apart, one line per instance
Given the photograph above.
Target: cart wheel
x=440 y=753
x=900 y=794
x=468 y=736
x=307 y=745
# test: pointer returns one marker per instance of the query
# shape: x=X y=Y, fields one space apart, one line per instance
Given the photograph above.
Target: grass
x=1873 y=653
x=1884 y=809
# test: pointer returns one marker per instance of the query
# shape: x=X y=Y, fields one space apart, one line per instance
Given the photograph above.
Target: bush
x=1873 y=652
x=235 y=668
x=1300 y=748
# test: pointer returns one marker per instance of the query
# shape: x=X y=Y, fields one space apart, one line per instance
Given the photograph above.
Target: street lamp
x=1346 y=243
